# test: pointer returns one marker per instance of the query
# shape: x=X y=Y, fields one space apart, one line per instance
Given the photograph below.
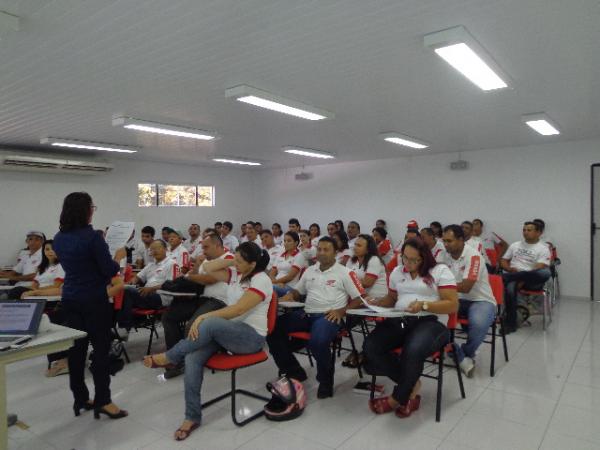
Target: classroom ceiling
x=74 y=64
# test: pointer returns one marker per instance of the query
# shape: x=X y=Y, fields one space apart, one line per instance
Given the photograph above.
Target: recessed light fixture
x=161 y=128
x=85 y=145
x=460 y=49
x=308 y=152
x=402 y=139
x=236 y=160
x=541 y=123
x=263 y=99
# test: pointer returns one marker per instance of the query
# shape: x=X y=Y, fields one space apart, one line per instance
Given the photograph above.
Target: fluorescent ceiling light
x=263 y=99
x=541 y=123
x=402 y=139
x=459 y=49
x=308 y=152
x=161 y=128
x=234 y=160
x=85 y=145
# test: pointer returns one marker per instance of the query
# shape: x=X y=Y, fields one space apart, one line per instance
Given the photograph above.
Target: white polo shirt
x=28 y=263
x=155 y=274
x=351 y=244
x=231 y=242
x=192 y=246
x=409 y=290
x=278 y=239
x=439 y=252
x=243 y=239
x=274 y=252
x=344 y=254
x=375 y=269
x=216 y=290
x=142 y=252
x=314 y=242
x=309 y=254
x=470 y=266
x=51 y=275
x=524 y=256
x=285 y=262
x=180 y=255
x=490 y=240
x=260 y=283
x=329 y=289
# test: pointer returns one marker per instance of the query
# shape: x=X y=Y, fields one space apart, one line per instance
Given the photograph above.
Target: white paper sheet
x=379 y=309
x=118 y=234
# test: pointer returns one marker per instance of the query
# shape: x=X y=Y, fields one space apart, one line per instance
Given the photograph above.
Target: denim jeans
x=481 y=315
x=419 y=339
x=281 y=291
x=322 y=334
x=214 y=333
x=532 y=279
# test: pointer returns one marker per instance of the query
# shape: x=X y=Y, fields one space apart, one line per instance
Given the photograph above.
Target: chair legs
x=233 y=393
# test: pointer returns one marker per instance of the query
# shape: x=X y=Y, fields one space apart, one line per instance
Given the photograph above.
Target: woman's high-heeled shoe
x=122 y=413
x=77 y=407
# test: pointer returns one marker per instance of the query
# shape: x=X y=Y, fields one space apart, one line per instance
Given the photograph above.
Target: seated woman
x=48 y=282
x=307 y=248
x=240 y=328
x=418 y=286
x=315 y=234
x=384 y=245
x=287 y=267
x=343 y=251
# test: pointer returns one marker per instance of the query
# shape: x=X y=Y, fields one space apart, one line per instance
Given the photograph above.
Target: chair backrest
x=128 y=273
x=497 y=286
x=118 y=300
x=272 y=314
x=452 y=321
x=492 y=256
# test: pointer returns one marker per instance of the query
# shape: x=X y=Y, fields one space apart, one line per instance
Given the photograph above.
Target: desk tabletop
x=370 y=313
x=48 y=298
x=291 y=305
x=55 y=334
x=176 y=294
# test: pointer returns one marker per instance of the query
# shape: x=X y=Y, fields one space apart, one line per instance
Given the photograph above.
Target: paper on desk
x=379 y=309
x=118 y=234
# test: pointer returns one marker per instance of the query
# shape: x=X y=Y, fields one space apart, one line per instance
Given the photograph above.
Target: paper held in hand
x=379 y=309
x=118 y=234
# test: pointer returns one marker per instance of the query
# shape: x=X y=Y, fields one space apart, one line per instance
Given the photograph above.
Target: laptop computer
x=19 y=321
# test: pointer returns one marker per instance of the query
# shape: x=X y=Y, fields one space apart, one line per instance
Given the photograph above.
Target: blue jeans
x=281 y=291
x=214 y=334
x=481 y=315
x=533 y=279
x=322 y=334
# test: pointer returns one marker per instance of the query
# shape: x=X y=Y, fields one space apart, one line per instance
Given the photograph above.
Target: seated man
x=268 y=243
x=525 y=265
x=230 y=242
x=178 y=252
x=195 y=239
x=327 y=286
x=477 y=302
x=23 y=273
x=149 y=280
x=437 y=247
x=252 y=235
x=142 y=254
x=186 y=309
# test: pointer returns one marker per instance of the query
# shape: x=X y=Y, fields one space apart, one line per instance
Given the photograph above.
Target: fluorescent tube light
x=233 y=160
x=263 y=99
x=85 y=145
x=541 y=123
x=308 y=152
x=161 y=128
x=402 y=139
x=459 y=49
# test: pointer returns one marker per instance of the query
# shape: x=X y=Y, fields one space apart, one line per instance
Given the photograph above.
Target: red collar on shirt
x=294 y=253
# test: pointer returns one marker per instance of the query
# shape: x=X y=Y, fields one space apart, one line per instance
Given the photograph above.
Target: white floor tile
x=576 y=422
x=276 y=438
x=555 y=441
x=580 y=396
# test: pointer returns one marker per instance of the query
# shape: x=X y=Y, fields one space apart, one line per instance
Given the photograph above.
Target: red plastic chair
x=231 y=363
x=437 y=357
x=492 y=256
x=497 y=286
x=151 y=316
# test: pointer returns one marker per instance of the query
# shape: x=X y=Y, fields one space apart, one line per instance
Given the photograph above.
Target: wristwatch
x=425 y=306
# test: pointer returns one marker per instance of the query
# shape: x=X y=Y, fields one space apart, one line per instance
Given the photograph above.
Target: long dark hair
x=427 y=263
x=318 y=229
x=372 y=251
x=252 y=253
x=76 y=211
x=45 y=261
x=344 y=238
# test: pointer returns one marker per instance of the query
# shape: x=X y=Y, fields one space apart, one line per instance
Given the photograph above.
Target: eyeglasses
x=411 y=260
x=94 y=208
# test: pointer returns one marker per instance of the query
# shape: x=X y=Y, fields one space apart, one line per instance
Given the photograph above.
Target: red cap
x=412 y=224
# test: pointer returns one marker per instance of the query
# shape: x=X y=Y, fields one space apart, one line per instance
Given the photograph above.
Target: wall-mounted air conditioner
x=52 y=164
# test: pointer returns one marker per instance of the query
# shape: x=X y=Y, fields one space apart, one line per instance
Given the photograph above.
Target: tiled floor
x=546 y=397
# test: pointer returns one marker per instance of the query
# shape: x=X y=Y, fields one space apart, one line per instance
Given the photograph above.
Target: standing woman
x=88 y=268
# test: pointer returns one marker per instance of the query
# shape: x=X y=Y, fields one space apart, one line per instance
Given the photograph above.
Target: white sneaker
x=467 y=366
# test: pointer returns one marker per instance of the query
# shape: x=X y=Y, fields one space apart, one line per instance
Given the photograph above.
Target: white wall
x=34 y=200
x=503 y=187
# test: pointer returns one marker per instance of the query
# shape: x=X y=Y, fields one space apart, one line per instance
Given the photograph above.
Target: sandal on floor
x=156 y=365
x=412 y=404
x=380 y=405
x=186 y=433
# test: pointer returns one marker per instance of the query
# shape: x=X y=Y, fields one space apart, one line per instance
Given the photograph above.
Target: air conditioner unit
x=29 y=163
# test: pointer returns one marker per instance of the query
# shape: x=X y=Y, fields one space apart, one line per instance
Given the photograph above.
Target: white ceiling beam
x=8 y=22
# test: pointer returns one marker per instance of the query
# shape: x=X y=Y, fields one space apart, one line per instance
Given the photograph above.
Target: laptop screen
x=20 y=317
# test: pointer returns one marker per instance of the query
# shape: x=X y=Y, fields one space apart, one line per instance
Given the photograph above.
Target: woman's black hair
x=381 y=231
x=318 y=228
x=344 y=238
x=76 y=211
x=252 y=253
x=340 y=224
x=372 y=251
x=45 y=261
x=293 y=235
